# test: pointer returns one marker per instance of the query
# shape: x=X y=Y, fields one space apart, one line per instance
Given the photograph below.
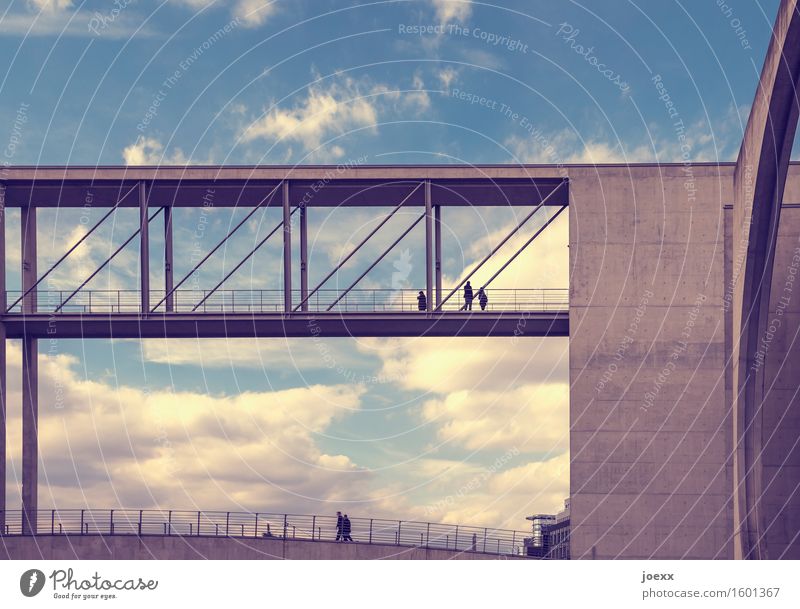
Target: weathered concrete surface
x=650 y=436
x=759 y=187
x=122 y=547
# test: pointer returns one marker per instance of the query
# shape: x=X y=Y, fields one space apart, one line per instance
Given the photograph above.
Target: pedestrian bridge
x=184 y=535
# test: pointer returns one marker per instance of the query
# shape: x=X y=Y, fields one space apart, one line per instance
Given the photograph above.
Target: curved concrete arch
x=759 y=183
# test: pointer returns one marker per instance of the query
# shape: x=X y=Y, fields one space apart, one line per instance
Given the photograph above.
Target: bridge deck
x=258 y=313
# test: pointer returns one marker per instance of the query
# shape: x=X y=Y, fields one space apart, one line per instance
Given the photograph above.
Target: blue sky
x=424 y=81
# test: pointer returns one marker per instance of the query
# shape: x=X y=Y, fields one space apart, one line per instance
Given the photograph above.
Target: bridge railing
x=271 y=301
x=267 y=525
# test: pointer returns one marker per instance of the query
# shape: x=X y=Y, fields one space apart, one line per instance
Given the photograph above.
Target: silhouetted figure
x=422 y=301
x=339 y=526
x=483 y=299
x=346 y=529
x=468 y=296
x=269 y=532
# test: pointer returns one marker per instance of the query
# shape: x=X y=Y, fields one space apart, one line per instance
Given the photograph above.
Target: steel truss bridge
x=173 y=311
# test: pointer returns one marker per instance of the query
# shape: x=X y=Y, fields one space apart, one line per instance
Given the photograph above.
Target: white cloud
x=251 y=13
x=120 y=446
x=150 y=151
x=452 y=10
x=325 y=111
x=254 y=12
x=50 y=6
x=447 y=76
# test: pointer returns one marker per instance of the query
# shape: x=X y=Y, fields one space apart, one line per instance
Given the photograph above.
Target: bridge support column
x=3 y=360
x=30 y=434
x=144 y=250
x=169 y=277
x=30 y=402
x=287 y=250
x=428 y=247
x=303 y=258
x=437 y=232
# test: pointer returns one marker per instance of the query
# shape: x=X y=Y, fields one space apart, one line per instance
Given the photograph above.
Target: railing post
x=370 y=530
x=52 y=521
x=140 y=523
x=198 y=522
x=81 y=522
x=484 y=539
x=227 y=524
x=284 y=526
x=169 y=523
x=111 y=522
x=428 y=536
x=255 y=530
x=313 y=523
x=455 y=545
x=399 y=528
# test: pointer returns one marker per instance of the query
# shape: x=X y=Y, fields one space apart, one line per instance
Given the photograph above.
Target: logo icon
x=31 y=582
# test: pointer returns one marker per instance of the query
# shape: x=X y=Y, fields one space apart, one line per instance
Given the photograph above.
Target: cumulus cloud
x=452 y=10
x=121 y=446
x=326 y=110
x=150 y=151
x=50 y=6
x=251 y=13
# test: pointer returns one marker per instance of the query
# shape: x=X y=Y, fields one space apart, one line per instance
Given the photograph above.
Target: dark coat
x=422 y=302
x=346 y=526
x=468 y=296
x=339 y=523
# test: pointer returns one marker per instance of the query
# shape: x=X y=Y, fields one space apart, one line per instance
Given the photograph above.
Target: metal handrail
x=378 y=300
x=309 y=527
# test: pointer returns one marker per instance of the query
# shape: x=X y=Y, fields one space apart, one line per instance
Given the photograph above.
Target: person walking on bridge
x=339 y=526
x=422 y=301
x=483 y=299
x=346 y=529
x=468 y=296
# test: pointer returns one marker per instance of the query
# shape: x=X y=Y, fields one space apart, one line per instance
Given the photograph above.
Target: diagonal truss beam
x=218 y=245
x=242 y=261
x=358 y=247
x=526 y=244
x=374 y=264
x=74 y=247
x=107 y=260
x=501 y=244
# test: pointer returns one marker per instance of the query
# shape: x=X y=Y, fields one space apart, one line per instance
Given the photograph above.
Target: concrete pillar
x=28 y=226
x=287 y=250
x=3 y=359
x=303 y=257
x=437 y=232
x=144 y=250
x=30 y=434
x=169 y=277
x=428 y=246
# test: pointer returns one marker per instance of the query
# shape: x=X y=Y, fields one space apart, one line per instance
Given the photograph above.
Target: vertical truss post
x=28 y=220
x=144 y=250
x=303 y=258
x=287 y=250
x=428 y=247
x=437 y=232
x=30 y=433
x=168 y=260
x=3 y=360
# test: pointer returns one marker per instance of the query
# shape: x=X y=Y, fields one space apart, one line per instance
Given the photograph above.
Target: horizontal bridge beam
x=198 y=192
x=296 y=325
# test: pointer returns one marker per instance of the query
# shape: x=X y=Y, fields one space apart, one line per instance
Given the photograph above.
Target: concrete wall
x=650 y=434
x=120 y=547
x=651 y=422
